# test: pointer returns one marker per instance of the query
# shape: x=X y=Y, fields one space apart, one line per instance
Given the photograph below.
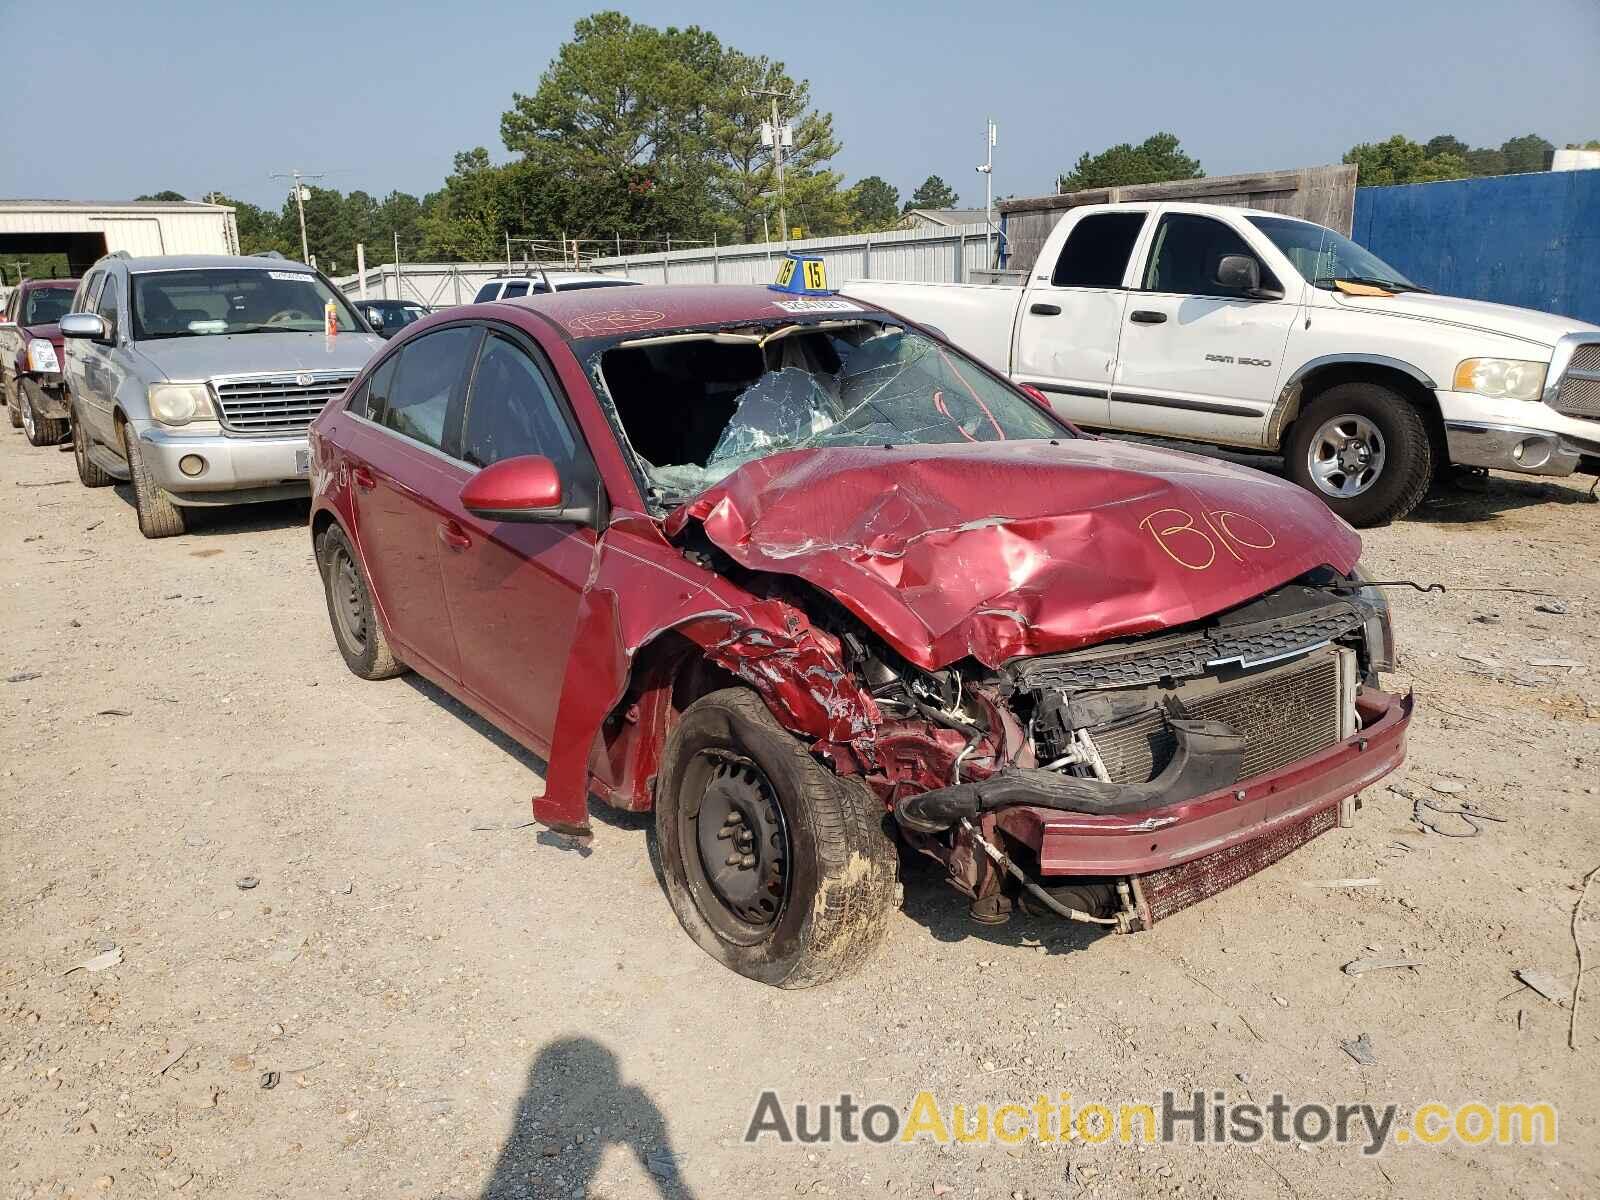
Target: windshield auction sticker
x=1194 y=1117
x=816 y=306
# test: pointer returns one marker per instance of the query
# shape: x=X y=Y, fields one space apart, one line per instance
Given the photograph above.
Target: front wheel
x=1362 y=448
x=159 y=517
x=13 y=410
x=774 y=865
x=41 y=430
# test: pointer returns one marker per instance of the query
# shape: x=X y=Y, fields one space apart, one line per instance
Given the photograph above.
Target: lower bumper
x=1138 y=843
x=1513 y=448
x=226 y=470
x=48 y=397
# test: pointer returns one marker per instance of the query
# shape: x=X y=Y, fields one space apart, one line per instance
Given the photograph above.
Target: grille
x=1284 y=714
x=1579 y=393
x=276 y=403
x=1172 y=889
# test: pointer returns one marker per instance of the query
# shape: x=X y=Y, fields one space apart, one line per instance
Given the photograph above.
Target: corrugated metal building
x=85 y=230
x=939 y=255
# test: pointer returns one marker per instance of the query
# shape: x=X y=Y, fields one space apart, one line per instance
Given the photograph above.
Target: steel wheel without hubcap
x=27 y=418
x=345 y=588
x=743 y=844
x=1346 y=456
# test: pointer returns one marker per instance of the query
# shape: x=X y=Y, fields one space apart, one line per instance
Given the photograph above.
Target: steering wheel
x=287 y=315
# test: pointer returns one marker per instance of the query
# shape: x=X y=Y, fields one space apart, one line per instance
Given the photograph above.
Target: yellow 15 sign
x=814 y=277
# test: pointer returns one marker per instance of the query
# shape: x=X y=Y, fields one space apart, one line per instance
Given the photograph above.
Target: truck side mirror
x=1242 y=273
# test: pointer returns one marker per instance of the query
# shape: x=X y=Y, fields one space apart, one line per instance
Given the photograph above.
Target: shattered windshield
x=696 y=406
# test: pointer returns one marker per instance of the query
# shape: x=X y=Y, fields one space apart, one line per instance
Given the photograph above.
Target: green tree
x=1401 y=160
x=1157 y=159
x=1530 y=152
x=874 y=204
x=743 y=178
x=618 y=124
x=933 y=193
x=167 y=195
x=1485 y=160
x=1446 y=143
x=259 y=229
x=467 y=221
x=329 y=236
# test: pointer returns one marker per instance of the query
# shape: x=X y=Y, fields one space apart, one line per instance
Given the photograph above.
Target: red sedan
x=807 y=581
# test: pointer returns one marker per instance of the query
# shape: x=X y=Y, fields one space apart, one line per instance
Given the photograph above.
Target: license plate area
x=302 y=462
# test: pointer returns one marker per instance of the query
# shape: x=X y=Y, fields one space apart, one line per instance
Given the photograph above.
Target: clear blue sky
x=166 y=94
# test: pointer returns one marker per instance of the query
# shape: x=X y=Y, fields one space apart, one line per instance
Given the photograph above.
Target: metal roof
x=141 y=205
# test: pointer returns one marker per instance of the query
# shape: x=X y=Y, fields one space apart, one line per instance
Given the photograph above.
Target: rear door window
x=424 y=401
x=487 y=292
x=1097 y=250
x=517 y=287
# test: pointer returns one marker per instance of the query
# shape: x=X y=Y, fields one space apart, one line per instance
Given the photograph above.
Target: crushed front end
x=1126 y=781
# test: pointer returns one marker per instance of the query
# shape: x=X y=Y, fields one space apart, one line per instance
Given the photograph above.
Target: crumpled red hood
x=1003 y=549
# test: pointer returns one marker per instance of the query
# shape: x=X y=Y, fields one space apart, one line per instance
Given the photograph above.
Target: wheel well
x=320 y=520
x=1413 y=389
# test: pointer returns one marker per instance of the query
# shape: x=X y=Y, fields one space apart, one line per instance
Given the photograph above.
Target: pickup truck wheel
x=159 y=517
x=1362 y=448
x=774 y=865
x=89 y=474
x=356 y=629
x=41 y=431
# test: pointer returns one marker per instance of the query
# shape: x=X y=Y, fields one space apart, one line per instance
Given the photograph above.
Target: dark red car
x=31 y=356
x=805 y=579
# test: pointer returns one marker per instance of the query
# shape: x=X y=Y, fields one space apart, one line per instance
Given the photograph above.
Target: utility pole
x=300 y=194
x=780 y=136
x=986 y=169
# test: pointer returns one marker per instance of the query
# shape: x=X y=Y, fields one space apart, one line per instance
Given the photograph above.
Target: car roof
x=556 y=277
x=595 y=312
x=193 y=262
x=31 y=284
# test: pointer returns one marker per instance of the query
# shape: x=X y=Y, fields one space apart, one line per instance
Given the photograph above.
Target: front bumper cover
x=236 y=470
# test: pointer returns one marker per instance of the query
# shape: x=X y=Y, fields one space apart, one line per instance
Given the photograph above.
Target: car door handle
x=362 y=478
x=453 y=536
x=1146 y=316
x=1045 y=310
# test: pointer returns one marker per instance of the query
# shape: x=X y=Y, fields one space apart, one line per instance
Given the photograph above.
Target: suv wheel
x=774 y=865
x=356 y=628
x=41 y=431
x=10 y=395
x=89 y=474
x=159 y=517
x=1364 y=450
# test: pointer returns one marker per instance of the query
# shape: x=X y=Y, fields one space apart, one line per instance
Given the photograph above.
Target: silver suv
x=195 y=377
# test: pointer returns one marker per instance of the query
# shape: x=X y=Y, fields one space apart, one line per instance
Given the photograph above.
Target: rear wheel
x=159 y=517
x=41 y=430
x=89 y=474
x=774 y=865
x=1364 y=449
x=356 y=628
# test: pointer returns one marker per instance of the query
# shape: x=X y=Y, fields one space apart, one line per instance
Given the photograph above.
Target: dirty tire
x=89 y=474
x=12 y=408
x=159 y=517
x=41 y=430
x=841 y=865
x=356 y=628
x=1409 y=458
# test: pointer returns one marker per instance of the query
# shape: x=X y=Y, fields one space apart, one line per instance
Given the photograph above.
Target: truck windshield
x=216 y=300
x=1323 y=256
x=46 y=306
x=694 y=406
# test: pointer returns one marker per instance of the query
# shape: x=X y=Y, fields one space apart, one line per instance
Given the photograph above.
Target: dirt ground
x=456 y=1006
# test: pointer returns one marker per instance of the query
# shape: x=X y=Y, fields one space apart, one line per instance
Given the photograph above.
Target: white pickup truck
x=1250 y=329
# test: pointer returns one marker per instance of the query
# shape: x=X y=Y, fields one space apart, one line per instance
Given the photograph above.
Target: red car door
x=404 y=484
x=513 y=588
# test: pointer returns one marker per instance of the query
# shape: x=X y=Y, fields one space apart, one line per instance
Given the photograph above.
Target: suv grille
x=1579 y=394
x=277 y=403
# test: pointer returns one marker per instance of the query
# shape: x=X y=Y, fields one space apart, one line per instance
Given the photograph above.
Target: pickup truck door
x=1071 y=317
x=1199 y=360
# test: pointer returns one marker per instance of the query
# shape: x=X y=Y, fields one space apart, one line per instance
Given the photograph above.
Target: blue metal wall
x=1531 y=240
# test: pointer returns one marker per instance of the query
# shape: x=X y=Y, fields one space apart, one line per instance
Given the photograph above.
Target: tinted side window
x=107 y=307
x=513 y=411
x=84 y=300
x=487 y=292
x=1186 y=252
x=1097 y=250
x=431 y=384
x=516 y=288
x=373 y=400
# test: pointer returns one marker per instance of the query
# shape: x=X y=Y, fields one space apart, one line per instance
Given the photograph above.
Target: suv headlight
x=179 y=403
x=1508 y=378
x=1379 y=626
x=42 y=355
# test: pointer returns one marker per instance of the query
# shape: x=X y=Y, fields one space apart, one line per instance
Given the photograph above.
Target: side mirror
x=85 y=325
x=1038 y=397
x=1242 y=273
x=526 y=488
